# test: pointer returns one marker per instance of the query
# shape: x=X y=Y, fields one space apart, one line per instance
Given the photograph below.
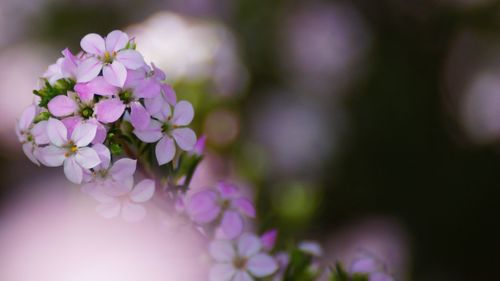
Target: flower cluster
x=116 y=127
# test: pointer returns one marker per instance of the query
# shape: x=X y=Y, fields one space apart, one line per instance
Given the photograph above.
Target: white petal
x=52 y=156
x=262 y=265
x=222 y=272
x=29 y=149
x=104 y=155
x=123 y=169
x=57 y=132
x=185 y=138
x=115 y=74
x=248 y=245
x=165 y=150
x=83 y=134
x=88 y=69
x=93 y=44
x=39 y=132
x=183 y=113
x=242 y=276
x=27 y=117
x=116 y=40
x=133 y=212
x=72 y=170
x=87 y=157
x=222 y=250
x=131 y=59
x=143 y=191
x=151 y=134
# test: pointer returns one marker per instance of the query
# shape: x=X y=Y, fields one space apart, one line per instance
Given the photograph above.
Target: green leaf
x=299 y=267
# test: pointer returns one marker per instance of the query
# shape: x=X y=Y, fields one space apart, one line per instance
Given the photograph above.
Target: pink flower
x=74 y=152
x=225 y=204
x=243 y=261
x=124 y=200
x=65 y=67
x=199 y=147
x=31 y=135
x=372 y=266
x=268 y=239
x=110 y=55
x=109 y=178
x=167 y=128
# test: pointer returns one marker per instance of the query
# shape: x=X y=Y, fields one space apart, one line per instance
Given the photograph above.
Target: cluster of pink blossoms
x=116 y=127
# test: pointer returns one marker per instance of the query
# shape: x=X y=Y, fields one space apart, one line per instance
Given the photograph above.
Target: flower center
x=108 y=57
x=126 y=96
x=71 y=149
x=240 y=262
x=166 y=127
x=87 y=112
x=225 y=204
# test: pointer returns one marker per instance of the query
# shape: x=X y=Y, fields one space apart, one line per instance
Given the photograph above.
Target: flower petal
x=268 y=239
x=185 y=138
x=227 y=190
x=52 y=156
x=115 y=74
x=183 y=113
x=93 y=44
x=39 y=133
x=131 y=59
x=57 y=132
x=97 y=86
x=109 y=110
x=88 y=69
x=27 y=118
x=148 y=88
x=262 y=265
x=248 y=245
x=165 y=150
x=87 y=157
x=123 y=168
x=83 y=134
x=133 y=212
x=62 y=105
x=104 y=155
x=143 y=191
x=245 y=206
x=222 y=250
x=116 y=40
x=109 y=210
x=72 y=170
x=232 y=224
x=202 y=207
x=222 y=272
x=242 y=276
x=139 y=117
x=28 y=149
x=380 y=276
x=169 y=94
x=151 y=134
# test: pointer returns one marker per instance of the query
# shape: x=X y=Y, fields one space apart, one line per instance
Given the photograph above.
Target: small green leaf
x=115 y=149
x=42 y=116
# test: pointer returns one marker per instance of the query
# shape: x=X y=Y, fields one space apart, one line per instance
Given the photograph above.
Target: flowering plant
x=116 y=127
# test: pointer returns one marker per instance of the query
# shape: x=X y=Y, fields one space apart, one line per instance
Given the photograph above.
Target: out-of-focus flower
x=212 y=55
x=222 y=127
x=372 y=267
x=31 y=135
x=166 y=128
x=64 y=67
x=199 y=147
x=112 y=55
x=124 y=200
x=311 y=247
x=241 y=262
x=268 y=239
x=283 y=259
x=73 y=153
x=225 y=204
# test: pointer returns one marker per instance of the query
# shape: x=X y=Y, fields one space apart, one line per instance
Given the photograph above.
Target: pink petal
x=164 y=111
x=365 y=265
x=165 y=150
x=61 y=106
x=185 y=138
x=109 y=110
x=262 y=265
x=380 y=276
x=199 y=147
x=39 y=132
x=101 y=132
x=88 y=70
x=232 y=224
x=169 y=94
x=87 y=157
x=153 y=105
x=27 y=117
x=143 y=191
x=93 y=44
x=151 y=134
x=222 y=272
x=72 y=170
x=97 y=86
x=83 y=134
x=115 y=74
x=242 y=276
x=222 y=250
x=109 y=210
x=311 y=247
x=69 y=64
x=268 y=239
x=158 y=75
x=104 y=155
x=202 y=207
x=245 y=206
x=227 y=189
x=139 y=116
x=52 y=156
x=116 y=40
x=57 y=132
x=183 y=113
x=131 y=59
x=123 y=169
x=70 y=123
x=248 y=245
x=133 y=212
x=28 y=149
x=148 y=88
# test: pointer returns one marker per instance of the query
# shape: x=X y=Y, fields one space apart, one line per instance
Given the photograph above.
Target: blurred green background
x=380 y=117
